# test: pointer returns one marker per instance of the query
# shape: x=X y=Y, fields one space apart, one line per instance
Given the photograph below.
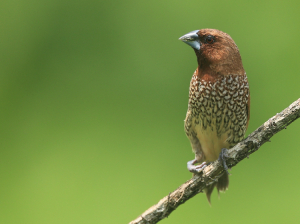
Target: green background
x=93 y=95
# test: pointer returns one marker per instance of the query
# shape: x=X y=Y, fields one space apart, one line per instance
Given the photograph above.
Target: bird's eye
x=210 y=39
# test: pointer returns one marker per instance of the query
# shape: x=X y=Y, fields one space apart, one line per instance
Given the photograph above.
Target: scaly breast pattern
x=217 y=114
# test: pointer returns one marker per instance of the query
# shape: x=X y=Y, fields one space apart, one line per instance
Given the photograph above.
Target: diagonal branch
x=211 y=173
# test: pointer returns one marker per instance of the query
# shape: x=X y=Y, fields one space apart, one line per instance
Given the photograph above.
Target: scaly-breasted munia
x=219 y=101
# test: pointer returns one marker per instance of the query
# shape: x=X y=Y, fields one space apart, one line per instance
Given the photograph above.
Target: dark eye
x=210 y=39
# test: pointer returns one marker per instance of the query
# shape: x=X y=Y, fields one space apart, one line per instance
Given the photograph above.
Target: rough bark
x=212 y=172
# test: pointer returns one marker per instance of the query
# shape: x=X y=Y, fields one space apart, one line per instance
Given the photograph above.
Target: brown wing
x=248 y=112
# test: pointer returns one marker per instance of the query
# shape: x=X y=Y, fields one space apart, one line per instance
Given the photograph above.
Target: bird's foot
x=195 y=169
x=222 y=159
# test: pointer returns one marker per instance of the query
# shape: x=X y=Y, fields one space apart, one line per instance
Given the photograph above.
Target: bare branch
x=211 y=173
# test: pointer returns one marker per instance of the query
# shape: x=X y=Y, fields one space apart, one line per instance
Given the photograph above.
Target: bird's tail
x=221 y=185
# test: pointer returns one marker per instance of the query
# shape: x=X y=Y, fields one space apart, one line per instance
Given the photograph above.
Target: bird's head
x=215 y=50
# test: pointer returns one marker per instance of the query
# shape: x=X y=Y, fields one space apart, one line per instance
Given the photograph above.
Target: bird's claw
x=222 y=159
x=195 y=169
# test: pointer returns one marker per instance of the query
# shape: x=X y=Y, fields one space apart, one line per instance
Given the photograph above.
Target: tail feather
x=208 y=191
x=223 y=182
x=221 y=185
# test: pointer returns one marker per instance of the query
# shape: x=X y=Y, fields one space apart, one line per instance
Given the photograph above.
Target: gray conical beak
x=191 y=39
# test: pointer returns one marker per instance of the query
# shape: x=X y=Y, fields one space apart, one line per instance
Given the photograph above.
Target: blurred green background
x=93 y=96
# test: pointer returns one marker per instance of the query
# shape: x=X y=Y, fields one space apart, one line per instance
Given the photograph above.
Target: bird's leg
x=222 y=159
x=195 y=169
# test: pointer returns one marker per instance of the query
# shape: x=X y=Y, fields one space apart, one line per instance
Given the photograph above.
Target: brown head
x=216 y=52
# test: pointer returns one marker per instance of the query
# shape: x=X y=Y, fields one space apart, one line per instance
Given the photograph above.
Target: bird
x=219 y=102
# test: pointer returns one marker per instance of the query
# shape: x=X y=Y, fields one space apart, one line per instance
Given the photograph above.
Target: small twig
x=212 y=172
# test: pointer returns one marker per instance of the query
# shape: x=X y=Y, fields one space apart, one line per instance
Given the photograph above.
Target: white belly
x=210 y=143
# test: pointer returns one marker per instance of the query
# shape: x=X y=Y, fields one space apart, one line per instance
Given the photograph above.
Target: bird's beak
x=192 y=39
